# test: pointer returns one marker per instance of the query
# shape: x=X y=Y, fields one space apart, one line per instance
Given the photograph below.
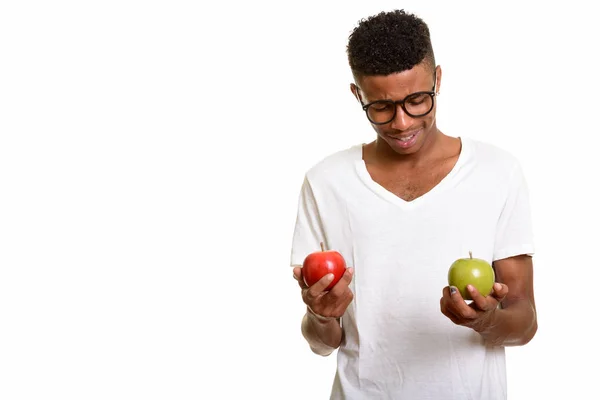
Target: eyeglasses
x=416 y=105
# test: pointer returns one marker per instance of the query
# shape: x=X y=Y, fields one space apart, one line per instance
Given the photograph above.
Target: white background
x=151 y=155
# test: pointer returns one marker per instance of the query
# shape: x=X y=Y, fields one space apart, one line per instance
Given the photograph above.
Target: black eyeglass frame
x=395 y=103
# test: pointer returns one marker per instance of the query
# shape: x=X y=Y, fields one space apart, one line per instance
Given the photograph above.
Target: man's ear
x=355 y=92
x=438 y=78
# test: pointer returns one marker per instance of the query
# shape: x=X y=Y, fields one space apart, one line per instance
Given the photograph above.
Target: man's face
x=404 y=134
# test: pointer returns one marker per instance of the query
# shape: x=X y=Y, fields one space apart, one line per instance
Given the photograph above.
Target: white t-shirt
x=397 y=344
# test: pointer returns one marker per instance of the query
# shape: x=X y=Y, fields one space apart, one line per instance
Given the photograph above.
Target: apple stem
x=470 y=254
x=322 y=247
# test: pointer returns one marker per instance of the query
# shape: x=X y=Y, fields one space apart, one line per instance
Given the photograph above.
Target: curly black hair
x=389 y=42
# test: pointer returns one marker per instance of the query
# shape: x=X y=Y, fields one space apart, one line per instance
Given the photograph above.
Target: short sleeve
x=514 y=233
x=308 y=231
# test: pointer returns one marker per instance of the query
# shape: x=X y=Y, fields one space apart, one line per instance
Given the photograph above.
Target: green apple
x=473 y=271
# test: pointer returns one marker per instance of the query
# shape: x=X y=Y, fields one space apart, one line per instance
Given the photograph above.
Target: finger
x=341 y=286
x=458 y=306
x=297 y=273
x=445 y=300
x=481 y=302
x=318 y=288
x=446 y=293
x=298 y=277
x=451 y=316
x=499 y=291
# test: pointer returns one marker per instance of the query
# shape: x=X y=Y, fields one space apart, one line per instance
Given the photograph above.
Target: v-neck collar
x=363 y=173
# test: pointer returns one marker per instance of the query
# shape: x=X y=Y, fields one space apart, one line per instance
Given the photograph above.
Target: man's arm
x=323 y=336
x=507 y=317
x=321 y=324
x=515 y=322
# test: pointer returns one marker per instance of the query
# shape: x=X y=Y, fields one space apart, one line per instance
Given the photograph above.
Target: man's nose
x=402 y=120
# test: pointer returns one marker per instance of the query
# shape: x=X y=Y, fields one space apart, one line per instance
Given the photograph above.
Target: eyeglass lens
x=383 y=111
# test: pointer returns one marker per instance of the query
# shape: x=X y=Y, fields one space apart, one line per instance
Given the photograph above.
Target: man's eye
x=415 y=101
x=381 y=107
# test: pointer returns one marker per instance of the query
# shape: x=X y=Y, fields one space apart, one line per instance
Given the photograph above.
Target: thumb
x=344 y=281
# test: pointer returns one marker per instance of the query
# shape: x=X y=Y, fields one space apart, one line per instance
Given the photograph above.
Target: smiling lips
x=406 y=138
x=406 y=141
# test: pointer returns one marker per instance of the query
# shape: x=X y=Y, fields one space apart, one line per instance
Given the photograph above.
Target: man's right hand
x=329 y=304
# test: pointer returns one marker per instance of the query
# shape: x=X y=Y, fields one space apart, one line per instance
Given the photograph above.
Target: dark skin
x=407 y=172
x=321 y=323
x=507 y=316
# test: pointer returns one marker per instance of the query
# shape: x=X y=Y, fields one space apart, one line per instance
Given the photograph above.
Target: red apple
x=320 y=263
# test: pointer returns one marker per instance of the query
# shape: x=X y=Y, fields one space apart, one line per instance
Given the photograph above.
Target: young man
x=400 y=210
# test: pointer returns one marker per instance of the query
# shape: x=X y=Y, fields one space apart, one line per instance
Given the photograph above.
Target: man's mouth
x=405 y=141
x=405 y=138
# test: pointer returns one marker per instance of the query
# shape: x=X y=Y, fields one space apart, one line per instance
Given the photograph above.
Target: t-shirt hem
x=514 y=251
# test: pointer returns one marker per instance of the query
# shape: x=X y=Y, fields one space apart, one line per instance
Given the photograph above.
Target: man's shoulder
x=487 y=154
x=335 y=163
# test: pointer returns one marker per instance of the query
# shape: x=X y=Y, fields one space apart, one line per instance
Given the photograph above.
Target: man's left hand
x=477 y=314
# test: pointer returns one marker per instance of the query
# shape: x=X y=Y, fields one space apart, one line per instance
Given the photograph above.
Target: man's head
x=391 y=58
x=389 y=42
